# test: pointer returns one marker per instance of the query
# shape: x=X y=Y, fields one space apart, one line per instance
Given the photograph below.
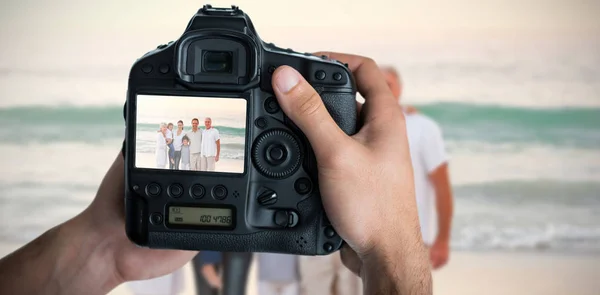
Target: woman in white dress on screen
x=161 y=146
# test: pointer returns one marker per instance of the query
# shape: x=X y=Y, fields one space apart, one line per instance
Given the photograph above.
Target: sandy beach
x=224 y=164
x=473 y=273
x=493 y=273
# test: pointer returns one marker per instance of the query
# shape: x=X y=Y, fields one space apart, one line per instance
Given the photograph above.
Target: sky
x=80 y=52
x=223 y=111
x=66 y=29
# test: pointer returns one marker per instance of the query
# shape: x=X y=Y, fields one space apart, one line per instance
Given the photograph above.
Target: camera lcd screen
x=201 y=216
x=206 y=134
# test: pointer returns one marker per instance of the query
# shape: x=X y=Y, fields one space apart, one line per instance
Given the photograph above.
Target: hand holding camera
x=366 y=179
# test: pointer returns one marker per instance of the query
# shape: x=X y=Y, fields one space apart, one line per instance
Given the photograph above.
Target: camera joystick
x=276 y=154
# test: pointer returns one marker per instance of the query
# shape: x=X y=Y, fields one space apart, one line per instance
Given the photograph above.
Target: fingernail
x=287 y=78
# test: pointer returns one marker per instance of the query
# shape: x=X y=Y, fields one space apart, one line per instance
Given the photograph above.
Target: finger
x=436 y=261
x=359 y=106
x=350 y=259
x=304 y=106
x=369 y=79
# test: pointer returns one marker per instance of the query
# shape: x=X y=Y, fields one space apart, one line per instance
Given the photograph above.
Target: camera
x=211 y=161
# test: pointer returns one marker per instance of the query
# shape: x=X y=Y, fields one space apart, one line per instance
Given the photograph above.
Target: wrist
x=443 y=239
x=85 y=259
x=397 y=266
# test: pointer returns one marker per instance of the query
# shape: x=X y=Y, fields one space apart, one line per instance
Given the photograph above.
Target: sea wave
x=528 y=215
x=550 y=237
x=570 y=127
x=223 y=130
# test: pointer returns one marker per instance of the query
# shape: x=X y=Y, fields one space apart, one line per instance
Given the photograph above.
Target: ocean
x=525 y=153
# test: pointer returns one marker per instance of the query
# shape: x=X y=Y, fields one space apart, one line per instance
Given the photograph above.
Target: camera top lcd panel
x=212 y=163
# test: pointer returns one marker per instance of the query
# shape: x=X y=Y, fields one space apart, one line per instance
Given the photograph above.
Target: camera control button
x=271 y=105
x=285 y=218
x=329 y=232
x=261 y=123
x=266 y=197
x=320 y=75
x=271 y=69
x=164 y=68
x=197 y=191
x=337 y=76
x=156 y=218
x=175 y=190
x=276 y=154
x=328 y=247
x=303 y=186
x=219 y=192
x=153 y=189
x=147 y=68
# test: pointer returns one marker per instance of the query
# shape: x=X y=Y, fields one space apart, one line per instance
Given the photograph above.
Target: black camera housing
x=274 y=208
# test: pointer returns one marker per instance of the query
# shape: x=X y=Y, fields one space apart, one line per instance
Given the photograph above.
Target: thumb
x=304 y=106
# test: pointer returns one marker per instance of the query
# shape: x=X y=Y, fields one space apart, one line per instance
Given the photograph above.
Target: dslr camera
x=211 y=161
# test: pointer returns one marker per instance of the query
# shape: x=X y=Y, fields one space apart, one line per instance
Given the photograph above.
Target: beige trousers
x=207 y=164
x=195 y=162
x=327 y=275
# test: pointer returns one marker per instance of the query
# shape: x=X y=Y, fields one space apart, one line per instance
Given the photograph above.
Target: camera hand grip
x=342 y=108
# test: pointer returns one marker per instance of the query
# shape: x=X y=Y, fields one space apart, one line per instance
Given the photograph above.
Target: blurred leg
x=202 y=286
x=266 y=288
x=347 y=283
x=236 y=267
x=203 y=163
x=291 y=289
x=316 y=275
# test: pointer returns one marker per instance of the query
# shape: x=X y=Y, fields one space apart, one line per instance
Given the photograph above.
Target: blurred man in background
x=432 y=182
x=327 y=275
x=206 y=268
x=278 y=274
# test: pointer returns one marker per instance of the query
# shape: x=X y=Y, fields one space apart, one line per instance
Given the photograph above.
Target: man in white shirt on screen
x=432 y=182
x=211 y=146
x=195 y=137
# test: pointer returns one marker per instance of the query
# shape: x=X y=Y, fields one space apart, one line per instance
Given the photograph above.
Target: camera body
x=264 y=194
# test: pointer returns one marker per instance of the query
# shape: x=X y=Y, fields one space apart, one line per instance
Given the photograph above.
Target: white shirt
x=427 y=152
x=195 y=141
x=178 y=140
x=169 y=134
x=209 y=142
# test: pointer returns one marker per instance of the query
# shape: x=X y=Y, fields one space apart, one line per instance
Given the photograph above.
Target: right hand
x=366 y=180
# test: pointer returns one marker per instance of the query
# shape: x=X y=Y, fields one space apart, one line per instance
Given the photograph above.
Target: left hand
x=217 y=158
x=439 y=253
x=104 y=219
